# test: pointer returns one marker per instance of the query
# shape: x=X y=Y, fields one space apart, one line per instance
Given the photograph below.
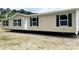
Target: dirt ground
x=30 y=41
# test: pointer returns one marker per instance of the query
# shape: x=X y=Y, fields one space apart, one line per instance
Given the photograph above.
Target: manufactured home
x=65 y=21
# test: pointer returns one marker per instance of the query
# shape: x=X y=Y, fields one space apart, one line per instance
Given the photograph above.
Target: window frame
x=5 y=23
x=17 y=22
x=32 y=21
x=60 y=20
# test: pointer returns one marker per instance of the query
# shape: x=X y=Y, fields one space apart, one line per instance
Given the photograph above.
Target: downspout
x=6 y=15
x=77 y=18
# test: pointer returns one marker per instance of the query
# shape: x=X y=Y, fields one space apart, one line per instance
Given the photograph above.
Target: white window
x=17 y=22
x=34 y=21
x=64 y=20
x=5 y=23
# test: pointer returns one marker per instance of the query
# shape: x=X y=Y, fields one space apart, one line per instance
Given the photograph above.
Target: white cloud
x=39 y=3
x=40 y=10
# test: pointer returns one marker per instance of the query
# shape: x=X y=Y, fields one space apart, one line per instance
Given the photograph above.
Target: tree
x=22 y=11
x=14 y=11
x=7 y=10
x=25 y=12
x=1 y=10
x=4 y=12
x=28 y=12
x=18 y=11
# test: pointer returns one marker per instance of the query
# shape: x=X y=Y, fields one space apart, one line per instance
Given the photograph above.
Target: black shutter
x=14 y=22
x=30 y=21
x=7 y=23
x=3 y=23
x=37 y=21
x=20 y=21
x=69 y=20
x=57 y=20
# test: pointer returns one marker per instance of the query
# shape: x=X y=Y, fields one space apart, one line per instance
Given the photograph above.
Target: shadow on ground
x=56 y=34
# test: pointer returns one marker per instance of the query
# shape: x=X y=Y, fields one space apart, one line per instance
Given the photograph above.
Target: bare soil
x=30 y=41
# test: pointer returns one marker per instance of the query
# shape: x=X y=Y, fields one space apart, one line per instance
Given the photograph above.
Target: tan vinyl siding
x=48 y=23
x=23 y=23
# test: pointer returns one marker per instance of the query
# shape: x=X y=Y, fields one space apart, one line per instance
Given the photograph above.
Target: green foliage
x=2 y=16
x=7 y=9
x=28 y=13
x=12 y=12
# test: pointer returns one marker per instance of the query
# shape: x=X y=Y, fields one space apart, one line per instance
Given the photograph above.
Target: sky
x=39 y=3
x=39 y=6
x=41 y=10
